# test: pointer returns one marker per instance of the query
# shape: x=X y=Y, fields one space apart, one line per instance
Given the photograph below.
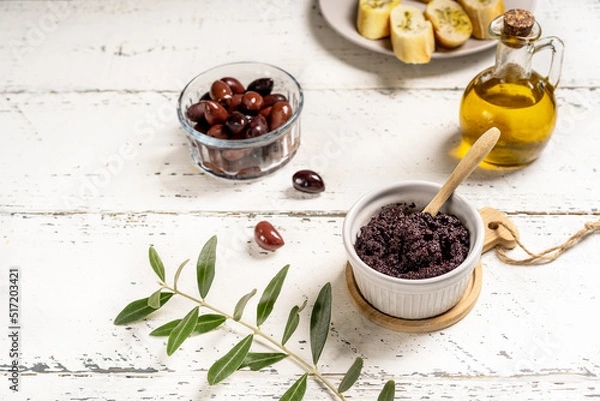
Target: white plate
x=341 y=15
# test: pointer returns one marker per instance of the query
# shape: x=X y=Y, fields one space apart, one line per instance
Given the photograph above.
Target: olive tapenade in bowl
x=409 y=264
x=242 y=120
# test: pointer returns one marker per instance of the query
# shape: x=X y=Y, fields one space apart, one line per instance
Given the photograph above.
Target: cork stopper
x=518 y=22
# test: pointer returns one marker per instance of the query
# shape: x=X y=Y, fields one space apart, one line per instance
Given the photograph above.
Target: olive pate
x=412 y=245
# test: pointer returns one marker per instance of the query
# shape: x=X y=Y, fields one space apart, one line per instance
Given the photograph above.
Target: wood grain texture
x=95 y=168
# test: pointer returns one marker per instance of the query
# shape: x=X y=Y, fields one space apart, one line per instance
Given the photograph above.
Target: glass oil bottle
x=511 y=96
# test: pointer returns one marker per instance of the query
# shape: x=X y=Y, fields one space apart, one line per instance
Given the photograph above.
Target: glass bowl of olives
x=242 y=120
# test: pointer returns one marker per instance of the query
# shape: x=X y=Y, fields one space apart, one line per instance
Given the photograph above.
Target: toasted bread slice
x=373 y=18
x=451 y=24
x=481 y=13
x=411 y=34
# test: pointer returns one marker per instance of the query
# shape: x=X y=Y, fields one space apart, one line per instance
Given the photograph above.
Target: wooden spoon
x=465 y=167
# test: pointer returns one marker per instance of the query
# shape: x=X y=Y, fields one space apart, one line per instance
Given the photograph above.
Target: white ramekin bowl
x=404 y=298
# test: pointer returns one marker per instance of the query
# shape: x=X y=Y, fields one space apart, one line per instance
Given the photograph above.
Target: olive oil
x=523 y=110
x=512 y=96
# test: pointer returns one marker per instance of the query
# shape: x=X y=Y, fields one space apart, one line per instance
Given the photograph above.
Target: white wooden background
x=94 y=169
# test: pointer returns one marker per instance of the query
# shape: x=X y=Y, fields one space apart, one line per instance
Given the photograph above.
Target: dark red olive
x=236 y=101
x=308 y=181
x=214 y=112
x=256 y=127
x=267 y=237
x=236 y=122
x=252 y=102
x=273 y=98
x=196 y=111
x=221 y=92
x=235 y=85
x=206 y=96
x=265 y=112
x=218 y=131
x=202 y=126
x=279 y=114
x=264 y=86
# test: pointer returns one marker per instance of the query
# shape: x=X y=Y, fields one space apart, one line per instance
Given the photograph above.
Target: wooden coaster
x=459 y=311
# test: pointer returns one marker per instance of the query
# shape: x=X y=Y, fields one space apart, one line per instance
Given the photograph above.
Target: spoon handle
x=465 y=167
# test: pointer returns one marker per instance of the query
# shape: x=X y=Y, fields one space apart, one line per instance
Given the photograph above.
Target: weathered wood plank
x=131 y=154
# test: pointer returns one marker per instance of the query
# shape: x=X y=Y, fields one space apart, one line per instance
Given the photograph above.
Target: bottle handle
x=557 y=47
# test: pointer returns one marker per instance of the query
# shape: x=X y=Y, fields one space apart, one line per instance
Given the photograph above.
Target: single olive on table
x=308 y=181
x=242 y=120
x=267 y=237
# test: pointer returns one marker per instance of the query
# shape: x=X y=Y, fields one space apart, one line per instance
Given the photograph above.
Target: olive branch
x=240 y=356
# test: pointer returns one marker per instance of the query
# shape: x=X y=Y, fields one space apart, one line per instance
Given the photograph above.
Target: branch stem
x=308 y=368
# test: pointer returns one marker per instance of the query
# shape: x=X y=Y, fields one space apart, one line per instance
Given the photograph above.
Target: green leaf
x=258 y=360
x=205 y=324
x=178 y=272
x=205 y=267
x=182 y=331
x=292 y=322
x=156 y=263
x=241 y=305
x=154 y=300
x=139 y=309
x=230 y=362
x=351 y=375
x=296 y=392
x=269 y=296
x=209 y=322
x=388 y=392
x=320 y=320
x=165 y=329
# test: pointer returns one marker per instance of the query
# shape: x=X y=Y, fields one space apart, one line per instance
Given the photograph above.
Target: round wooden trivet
x=459 y=311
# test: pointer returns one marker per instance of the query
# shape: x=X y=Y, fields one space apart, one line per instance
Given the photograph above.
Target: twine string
x=549 y=254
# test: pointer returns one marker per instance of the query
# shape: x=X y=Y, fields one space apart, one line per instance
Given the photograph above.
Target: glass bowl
x=243 y=159
x=412 y=298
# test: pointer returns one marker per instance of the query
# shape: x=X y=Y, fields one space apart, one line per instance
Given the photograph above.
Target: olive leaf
x=258 y=360
x=178 y=273
x=205 y=267
x=154 y=299
x=206 y=323
x=296 y=392
x=351 y=375
x=269 y=296
x=320 y=320
x=156 y=263
x=388 y=392
x=292 y=322
x=139 y=309
x=230 y=362
x=182 y=331
x=241 y=305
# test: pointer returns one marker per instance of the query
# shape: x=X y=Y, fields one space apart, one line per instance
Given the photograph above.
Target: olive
x=221 y=92
x=273 y=98
x=218 y=131
x=202 y=126
x=236 y=101
x=236 y=86
x=308 y=181
x=236 y=122
x=264 y=86
x=252 y=102
x=267 y=237
x=256 y=127
x=196 y=111
x=279 y=114
x=214 y=112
